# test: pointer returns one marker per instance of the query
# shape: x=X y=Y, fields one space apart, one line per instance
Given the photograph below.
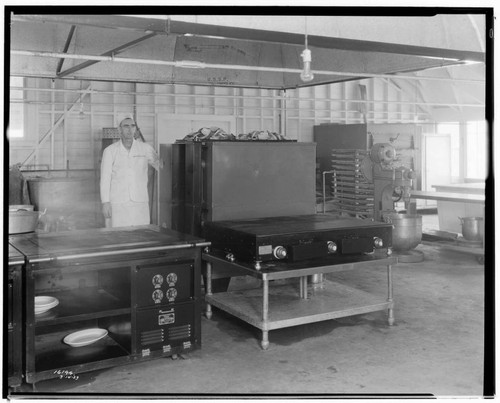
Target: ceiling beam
x=66 y=47
x=398 y=88
x=111 y=52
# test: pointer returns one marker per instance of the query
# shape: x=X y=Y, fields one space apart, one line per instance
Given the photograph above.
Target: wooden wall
x=68 y=116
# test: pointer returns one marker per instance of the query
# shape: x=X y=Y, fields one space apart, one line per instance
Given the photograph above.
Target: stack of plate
x=44 y=304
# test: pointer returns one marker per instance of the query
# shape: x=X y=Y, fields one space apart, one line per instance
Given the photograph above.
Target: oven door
x=166 y=329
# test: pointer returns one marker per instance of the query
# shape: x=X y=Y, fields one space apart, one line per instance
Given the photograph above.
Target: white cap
x=121 y=117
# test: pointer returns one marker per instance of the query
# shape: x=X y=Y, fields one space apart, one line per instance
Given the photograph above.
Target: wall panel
x=293 y=113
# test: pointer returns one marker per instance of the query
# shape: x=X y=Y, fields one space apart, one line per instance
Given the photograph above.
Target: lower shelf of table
x=53 y=353
x=286 y=309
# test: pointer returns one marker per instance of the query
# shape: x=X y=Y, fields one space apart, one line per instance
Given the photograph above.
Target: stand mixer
x=391 y=184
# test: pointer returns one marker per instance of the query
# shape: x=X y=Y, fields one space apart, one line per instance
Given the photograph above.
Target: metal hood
x=159 y=50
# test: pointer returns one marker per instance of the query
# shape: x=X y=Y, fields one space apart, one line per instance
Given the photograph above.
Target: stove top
x=294 y=238
x=97 y=240
x=286 y=225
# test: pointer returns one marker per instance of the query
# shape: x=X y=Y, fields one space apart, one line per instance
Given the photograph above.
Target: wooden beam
x=66 y=47
x=111 y=52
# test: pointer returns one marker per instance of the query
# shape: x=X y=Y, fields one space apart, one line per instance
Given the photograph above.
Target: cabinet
x=14 y=318
x=143 y=289
x=229 y=180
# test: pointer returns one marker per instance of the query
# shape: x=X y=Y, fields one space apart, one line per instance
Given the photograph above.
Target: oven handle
x=125 y=251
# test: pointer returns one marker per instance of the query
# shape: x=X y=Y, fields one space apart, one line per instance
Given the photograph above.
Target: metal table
x=281 y=306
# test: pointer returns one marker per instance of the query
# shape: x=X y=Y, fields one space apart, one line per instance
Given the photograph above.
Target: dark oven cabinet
x=148 y=303
x=14 y=326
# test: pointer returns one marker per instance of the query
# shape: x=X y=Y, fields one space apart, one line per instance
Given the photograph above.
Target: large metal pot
x=21 y=221
x=407 y=230
x=472 y=228
x=61 y=195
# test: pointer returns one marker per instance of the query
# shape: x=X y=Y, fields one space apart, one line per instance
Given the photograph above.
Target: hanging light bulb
x=306 y=74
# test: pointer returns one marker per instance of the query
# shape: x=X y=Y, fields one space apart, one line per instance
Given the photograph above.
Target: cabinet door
x=329 y=137
x=166 y=328
x=14 y=337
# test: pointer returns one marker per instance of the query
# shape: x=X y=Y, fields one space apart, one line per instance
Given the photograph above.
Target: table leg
x=389 y=296
x=303 y=287
x=208 y=287
x=265 y=314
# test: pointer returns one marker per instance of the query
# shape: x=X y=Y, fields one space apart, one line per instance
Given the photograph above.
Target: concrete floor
x=435 y=347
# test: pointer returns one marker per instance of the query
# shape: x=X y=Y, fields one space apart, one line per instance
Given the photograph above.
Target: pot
x=472 y=228
x=22 y=221
x=407 y=230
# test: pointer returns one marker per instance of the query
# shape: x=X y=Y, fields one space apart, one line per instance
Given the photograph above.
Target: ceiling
x=439 y=60
x=203 y=51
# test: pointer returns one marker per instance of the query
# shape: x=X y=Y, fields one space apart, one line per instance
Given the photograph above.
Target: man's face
x=127 y=129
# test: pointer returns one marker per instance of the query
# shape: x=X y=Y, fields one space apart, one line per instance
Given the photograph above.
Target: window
x=476 y=146
x=453 y=129
x=16 y=115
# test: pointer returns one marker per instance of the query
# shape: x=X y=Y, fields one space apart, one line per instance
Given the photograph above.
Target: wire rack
x=352 y=193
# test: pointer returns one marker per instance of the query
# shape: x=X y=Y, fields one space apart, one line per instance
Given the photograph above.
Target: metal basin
x=56 y=194
x=472 y=228
x=22 y=221
x=22 y=207
x=407 y=231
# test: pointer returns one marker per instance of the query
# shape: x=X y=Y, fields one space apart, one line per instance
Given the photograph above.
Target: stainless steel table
x=275 y=307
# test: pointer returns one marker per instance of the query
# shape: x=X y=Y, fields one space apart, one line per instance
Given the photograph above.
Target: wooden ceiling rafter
x=111 y=52
x=399 y=88
x=66 y=47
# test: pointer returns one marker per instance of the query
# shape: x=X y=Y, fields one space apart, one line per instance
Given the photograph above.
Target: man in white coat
x=124 y=178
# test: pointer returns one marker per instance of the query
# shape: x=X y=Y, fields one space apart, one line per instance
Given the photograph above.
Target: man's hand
x=106 y=210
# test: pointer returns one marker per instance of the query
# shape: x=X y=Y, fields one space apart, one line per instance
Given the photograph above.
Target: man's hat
x=121 y=117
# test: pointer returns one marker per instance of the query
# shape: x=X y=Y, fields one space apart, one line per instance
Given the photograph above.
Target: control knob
x=279 y=252
x=378 y=242
x=332 y=247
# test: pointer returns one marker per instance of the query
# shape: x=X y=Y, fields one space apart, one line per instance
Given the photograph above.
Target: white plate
x=45 y=303
x=85 y=337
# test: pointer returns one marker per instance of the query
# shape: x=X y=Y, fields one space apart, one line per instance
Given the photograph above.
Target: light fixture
x=306 y=75
x=190 y=64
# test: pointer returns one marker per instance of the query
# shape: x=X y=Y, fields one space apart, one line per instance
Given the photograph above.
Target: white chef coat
x=124 y=181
